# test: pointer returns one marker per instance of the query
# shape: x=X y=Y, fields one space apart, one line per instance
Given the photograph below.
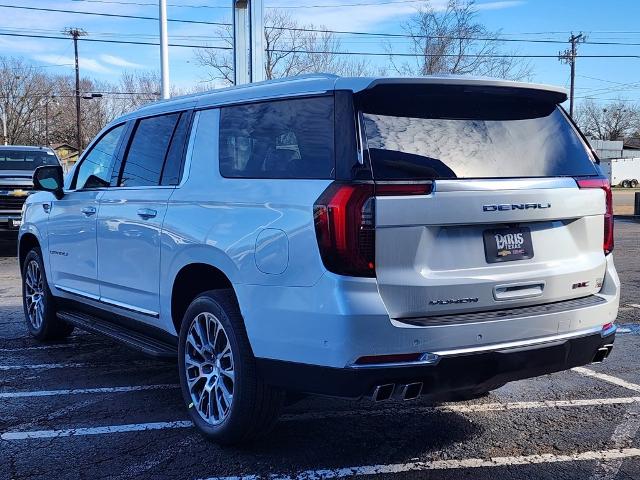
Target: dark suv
x=17 y=164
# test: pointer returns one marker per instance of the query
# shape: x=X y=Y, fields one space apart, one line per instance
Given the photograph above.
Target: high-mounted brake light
x=344 y=218
x=602 y=183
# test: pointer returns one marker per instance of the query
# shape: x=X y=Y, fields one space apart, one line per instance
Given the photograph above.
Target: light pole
x=164 y=50
x=4 y=123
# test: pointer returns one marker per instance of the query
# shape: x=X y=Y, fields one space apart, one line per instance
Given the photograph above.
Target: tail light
x=344 y=217
x=602 y=183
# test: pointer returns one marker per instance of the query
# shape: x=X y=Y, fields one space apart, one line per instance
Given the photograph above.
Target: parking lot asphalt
x=89 y=408
x=624 y=200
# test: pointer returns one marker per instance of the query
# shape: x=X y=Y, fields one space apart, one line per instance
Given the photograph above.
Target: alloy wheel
x=34 y=294
x=209 y=368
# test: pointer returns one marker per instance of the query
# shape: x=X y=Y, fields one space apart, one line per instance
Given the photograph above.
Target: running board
x=136 y=340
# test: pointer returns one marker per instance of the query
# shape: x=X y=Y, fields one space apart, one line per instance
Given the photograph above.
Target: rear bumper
x=455 y=372
x=340 y=319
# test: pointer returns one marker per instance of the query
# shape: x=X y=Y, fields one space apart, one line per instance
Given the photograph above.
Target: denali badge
x=449 y=301
x=515 y=206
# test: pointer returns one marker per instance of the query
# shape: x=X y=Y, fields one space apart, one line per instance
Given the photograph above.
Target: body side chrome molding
x=131 y=308
x=108 y=301
x=80 y=293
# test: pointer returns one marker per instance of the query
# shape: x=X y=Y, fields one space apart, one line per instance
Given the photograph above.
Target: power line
x=303 y=29
x=608 y=99
x=124 y=42
x=321 y=52
x=145 y=4
x=112 y=15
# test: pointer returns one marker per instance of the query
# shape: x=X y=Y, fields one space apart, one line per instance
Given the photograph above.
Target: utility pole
x=46 y=123
x=76 y=33
x=569 y=56
x=164 y=50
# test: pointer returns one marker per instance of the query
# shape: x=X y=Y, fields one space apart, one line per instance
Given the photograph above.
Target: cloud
x=87 y=64
x=499 y=5
x=368 y=17
x=364 y=18
x=119 y=61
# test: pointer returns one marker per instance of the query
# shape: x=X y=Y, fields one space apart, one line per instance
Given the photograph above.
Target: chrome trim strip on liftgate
x=503 y=184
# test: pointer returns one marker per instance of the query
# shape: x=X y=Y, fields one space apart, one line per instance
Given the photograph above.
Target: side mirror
x=49 y=178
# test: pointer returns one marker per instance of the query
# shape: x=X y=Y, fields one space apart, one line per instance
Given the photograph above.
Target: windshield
x=26 y=159
x=473 y=136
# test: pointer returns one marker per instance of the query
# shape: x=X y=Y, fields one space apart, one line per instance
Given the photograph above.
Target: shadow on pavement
x=8 y=246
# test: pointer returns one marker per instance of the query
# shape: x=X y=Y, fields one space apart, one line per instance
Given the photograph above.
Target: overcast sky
x=600 y=78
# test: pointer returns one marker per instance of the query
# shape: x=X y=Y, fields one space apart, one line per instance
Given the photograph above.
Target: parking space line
x=459 y=408
x=607 y=378
x=447 y=465
x=80 y=391
x=622 y=437
x=48 y=366
x=72 y=432
x=472 y=408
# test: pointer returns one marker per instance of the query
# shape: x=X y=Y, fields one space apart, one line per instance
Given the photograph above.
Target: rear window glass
x=26 y=159
x=279 y=139
x=474 y=137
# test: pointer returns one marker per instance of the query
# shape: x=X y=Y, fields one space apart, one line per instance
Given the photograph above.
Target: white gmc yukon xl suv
x=347 y=237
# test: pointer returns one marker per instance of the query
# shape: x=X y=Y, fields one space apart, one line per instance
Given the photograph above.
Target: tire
x=625 y=184
x=238 y=407
x=634 y=183
x=38 y=303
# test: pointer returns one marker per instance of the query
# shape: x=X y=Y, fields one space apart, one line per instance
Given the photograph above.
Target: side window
x=173 y=165
x=279 y=139
x=147 y=150
x=95 y=170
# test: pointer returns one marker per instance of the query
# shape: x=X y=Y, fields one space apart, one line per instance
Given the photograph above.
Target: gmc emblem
x=515 y=206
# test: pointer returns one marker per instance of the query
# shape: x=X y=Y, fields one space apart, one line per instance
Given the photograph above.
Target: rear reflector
x=382 y=359
x=603 y=183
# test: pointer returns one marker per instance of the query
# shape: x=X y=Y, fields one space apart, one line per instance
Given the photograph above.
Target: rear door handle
x=147 y=213
x=88 y=211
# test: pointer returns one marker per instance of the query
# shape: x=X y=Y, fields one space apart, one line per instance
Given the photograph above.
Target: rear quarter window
x=290 y=138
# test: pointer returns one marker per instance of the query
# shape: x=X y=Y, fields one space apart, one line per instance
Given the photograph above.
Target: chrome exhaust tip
x=410 y=391
x=609 y=348
x=383 y=392
x=602 y=353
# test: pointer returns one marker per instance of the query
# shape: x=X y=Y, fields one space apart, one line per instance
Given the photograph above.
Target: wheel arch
x=190 y=281
x=27 y=242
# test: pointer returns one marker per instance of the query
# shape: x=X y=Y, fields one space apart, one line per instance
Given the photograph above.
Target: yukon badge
x=450 y=301
x=515 y=206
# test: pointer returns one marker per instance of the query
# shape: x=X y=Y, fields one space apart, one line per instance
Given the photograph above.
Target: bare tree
x=137 y=89
x=289 y=48
x=22 y=88
x=613 y=121
x=452 y=41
